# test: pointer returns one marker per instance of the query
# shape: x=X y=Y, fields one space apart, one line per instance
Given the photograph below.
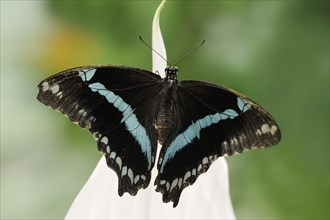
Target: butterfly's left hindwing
x=110 y=102
x=213 y=121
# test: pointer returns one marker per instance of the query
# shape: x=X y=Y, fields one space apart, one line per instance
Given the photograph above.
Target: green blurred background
x=275 y=52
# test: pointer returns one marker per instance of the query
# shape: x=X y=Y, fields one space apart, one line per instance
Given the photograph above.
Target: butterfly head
x=171 y=72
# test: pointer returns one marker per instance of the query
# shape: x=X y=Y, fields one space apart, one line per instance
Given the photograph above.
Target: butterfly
x=130 y=110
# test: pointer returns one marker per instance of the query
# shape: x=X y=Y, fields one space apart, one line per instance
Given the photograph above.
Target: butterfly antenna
x=196 y=47
x=154 y=50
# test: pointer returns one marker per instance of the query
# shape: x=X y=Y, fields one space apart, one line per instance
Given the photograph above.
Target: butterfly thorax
x=164 y=121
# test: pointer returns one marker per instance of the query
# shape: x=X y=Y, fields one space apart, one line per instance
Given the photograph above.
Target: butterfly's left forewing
x=213 y=121
x=110 y=102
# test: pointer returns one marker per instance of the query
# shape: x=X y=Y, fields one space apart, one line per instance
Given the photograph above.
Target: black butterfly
x=128 y=110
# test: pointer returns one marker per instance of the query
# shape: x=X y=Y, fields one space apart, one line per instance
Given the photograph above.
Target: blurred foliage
x=287 y=71
x=275 y=52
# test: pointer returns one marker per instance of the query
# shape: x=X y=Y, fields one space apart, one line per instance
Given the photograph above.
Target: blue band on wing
x=128 y=116
x=87 y=74
x=243 y=105
x=194 y=129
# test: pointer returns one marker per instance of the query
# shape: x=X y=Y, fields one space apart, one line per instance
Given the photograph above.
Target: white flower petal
x=158 y=64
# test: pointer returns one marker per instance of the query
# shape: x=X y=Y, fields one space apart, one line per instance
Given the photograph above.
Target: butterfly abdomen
x=164 y=123
x=164 y=120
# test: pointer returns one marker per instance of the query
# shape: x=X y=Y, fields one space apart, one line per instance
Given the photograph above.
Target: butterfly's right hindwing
x=110 y=101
